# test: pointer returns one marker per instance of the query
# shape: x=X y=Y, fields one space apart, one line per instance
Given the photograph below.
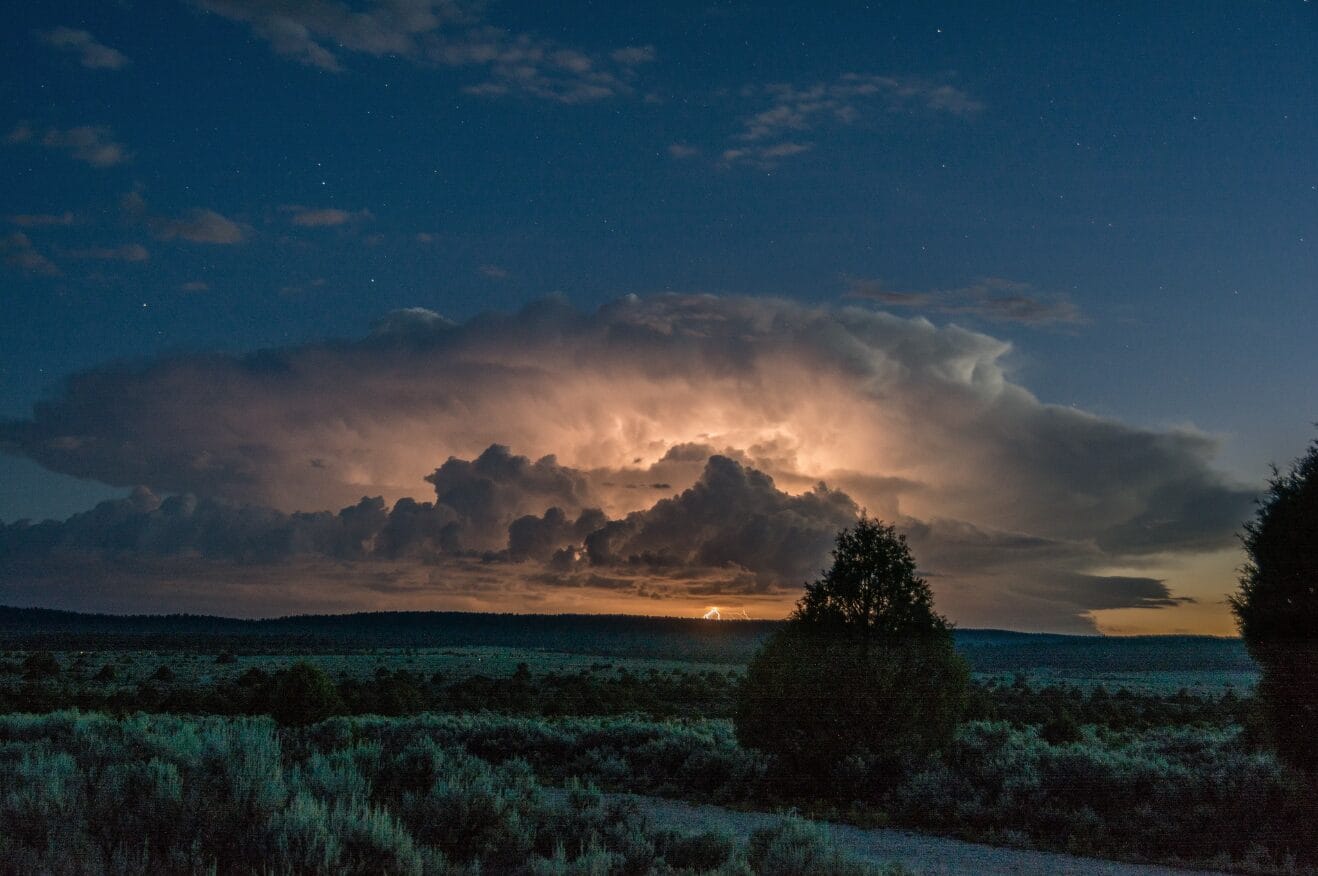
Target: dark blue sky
x=886 y=225
x=1149 y=172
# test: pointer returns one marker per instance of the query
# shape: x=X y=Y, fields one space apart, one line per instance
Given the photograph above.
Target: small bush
x=795 y=847
x=40 y=664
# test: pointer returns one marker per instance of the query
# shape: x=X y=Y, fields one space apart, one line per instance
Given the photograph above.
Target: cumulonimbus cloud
x=683 y=440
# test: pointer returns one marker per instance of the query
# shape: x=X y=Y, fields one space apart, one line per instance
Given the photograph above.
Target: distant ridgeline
x=612 y=635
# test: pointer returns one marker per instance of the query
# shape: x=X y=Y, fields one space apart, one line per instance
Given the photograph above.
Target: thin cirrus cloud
x=92 y=53
x=129 y=252
x=20 y=253
x=437 y=33
x=195 y=225
x=692 y=449
x=90 y=144
x=42 y=220
x=198 y=225
x=325 y=217
x=992 y=298
x=791 y=114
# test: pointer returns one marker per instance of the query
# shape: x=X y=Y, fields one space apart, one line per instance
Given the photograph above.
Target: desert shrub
x=1188 y=793
x=1061 y=729
x=794 y=847
x=89 y=793
x=700 y=852
x=164 y=793
x=40 y=664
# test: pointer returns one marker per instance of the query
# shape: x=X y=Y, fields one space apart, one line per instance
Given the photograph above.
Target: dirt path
x=919 y=853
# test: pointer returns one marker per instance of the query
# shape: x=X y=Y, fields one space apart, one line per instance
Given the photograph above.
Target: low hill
x=615 y=635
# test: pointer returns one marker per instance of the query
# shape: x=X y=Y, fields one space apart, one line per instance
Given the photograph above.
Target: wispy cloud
x=130 y=252
x=494 y=272
x=320 y=33
x=991 y=298
x=198 y=226
x=324 y=217
x=791 y=114
x=91 y=53
x=19 y=252
x=42 y=220
x=91 y=144
x=633 y=55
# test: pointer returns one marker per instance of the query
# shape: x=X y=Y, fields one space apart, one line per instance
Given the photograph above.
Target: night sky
x=634 y=307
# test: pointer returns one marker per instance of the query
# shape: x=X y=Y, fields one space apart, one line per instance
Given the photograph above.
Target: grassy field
x=134 y=666
x=1142 y=749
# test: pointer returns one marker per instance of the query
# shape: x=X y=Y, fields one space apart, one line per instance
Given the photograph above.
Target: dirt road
x=919 y=853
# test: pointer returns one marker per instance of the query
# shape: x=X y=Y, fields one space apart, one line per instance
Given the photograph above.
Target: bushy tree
x=863 y=679
x=304 y=694
x=1277 y=608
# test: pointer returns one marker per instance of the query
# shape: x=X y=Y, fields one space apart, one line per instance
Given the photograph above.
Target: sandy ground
x=919 y=853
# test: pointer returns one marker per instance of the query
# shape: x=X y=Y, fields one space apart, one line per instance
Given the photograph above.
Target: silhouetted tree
x=1277 y=608
x=863 y=679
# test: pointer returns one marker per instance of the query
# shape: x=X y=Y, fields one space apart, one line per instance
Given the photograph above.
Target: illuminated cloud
x=682 y=441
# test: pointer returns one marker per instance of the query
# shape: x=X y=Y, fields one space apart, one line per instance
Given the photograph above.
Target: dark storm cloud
x=992 y=298
x=732 y=529
x=498 y=487
x=732 y=516
x=1090 y=592
x=552 y=533
x=621 y=410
